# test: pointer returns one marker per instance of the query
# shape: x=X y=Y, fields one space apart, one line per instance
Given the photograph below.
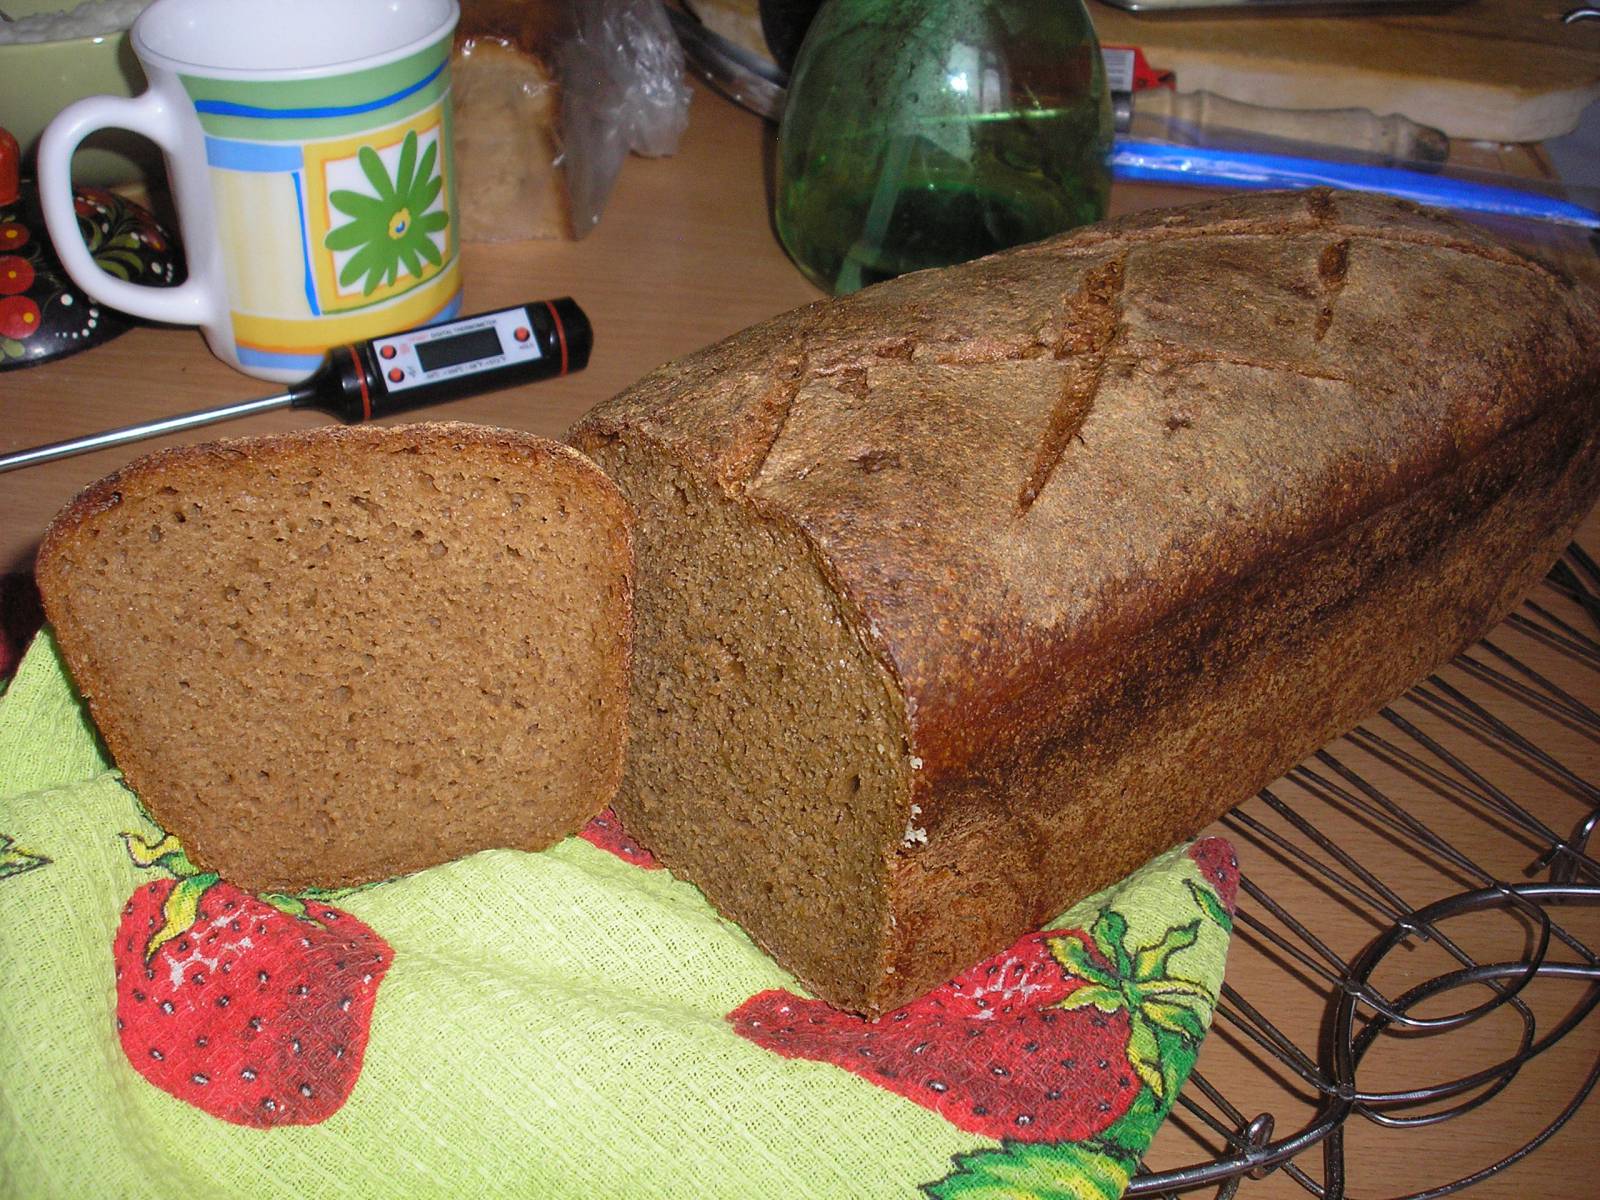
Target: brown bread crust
x=341 y=806
x=1136 y=517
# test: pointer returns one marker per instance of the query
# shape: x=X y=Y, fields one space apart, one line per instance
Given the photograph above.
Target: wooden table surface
x=683 y=256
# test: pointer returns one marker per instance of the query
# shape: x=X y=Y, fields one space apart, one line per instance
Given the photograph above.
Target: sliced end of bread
x=332 y=657
x=767 y=757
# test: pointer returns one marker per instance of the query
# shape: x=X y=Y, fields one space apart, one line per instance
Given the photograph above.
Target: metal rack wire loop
x=1458 y=774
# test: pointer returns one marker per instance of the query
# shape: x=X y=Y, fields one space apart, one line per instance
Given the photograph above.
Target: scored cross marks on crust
x=1288 y=228
x=1175 y=354
x=1321 y=215
x=1094 y=333
x=1331 y=267
x=768 y=417
x=1092 y=329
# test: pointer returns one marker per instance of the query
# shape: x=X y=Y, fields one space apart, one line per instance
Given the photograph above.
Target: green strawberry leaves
x=1109 y=932
x=182 y=907
x=1073 y=955
x=1144 y=1054
x=1175 y=1018
x=298 y=905
x=14 y=860
x=180 y=911
x=1210 y=905
x=1138 y=981
x=1151 y=962
x=1167 y=1020
x=1032 y=1171
x=165 y=854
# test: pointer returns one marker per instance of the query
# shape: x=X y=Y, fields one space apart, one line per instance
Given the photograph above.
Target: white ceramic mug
x=308 y=146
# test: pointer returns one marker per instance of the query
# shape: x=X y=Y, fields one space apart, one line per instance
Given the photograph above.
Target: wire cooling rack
x=1452 y=830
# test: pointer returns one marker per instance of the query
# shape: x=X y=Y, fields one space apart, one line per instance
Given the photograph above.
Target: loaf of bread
x=340 y=655
x=506 y=97
x=960 y=597
x=549 y=97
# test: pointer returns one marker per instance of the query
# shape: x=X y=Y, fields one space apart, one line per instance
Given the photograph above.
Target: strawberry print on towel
x=255 y=1010
x=1068 y=1048
x=606 y=832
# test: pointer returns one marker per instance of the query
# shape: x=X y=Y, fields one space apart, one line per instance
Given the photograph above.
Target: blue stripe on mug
x=253 y=156
x=227 y=108
x=308 y=278
x=279 y=361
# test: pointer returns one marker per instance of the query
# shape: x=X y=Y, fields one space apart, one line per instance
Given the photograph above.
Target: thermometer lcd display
x=462 y=348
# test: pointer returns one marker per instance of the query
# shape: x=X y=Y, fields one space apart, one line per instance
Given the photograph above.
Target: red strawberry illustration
x=256 y=1012
x=1051 y=1040
x=606 y=832
x=1220 y=865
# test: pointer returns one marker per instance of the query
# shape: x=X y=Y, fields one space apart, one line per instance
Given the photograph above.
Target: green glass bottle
x=920 y=133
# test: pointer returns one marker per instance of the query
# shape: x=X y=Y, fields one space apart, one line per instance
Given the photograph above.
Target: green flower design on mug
x=391 y=229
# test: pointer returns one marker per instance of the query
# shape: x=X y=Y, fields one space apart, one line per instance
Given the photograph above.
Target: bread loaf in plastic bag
x=549 y=97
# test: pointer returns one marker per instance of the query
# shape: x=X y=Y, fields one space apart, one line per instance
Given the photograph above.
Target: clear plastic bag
x=550 y=97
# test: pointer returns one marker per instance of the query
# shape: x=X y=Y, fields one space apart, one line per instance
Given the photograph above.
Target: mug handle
x=191 y=302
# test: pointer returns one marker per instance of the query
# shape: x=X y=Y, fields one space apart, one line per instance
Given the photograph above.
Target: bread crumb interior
x=349 y=667
x=766 y=758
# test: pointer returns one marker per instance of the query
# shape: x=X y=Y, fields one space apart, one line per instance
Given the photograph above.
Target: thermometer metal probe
x=387 y=375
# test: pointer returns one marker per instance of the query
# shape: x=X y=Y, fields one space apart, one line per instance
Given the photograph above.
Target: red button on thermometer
x=388 y=375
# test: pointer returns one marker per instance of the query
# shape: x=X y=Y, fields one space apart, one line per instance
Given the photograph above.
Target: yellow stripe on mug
x=290 y=345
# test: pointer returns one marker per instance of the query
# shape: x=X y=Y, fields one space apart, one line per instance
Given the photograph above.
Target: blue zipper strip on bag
x=1157 y=162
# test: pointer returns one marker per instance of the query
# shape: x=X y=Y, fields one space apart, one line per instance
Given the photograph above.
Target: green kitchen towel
x=569 y=1023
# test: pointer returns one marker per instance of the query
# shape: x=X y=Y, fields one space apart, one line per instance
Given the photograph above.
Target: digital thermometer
x=387 y=375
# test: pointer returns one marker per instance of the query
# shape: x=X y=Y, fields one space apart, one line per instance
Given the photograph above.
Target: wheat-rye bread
x=335 y=656
x=962 y=596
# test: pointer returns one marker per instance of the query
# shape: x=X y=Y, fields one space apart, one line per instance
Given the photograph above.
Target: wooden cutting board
x=1498 y=70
